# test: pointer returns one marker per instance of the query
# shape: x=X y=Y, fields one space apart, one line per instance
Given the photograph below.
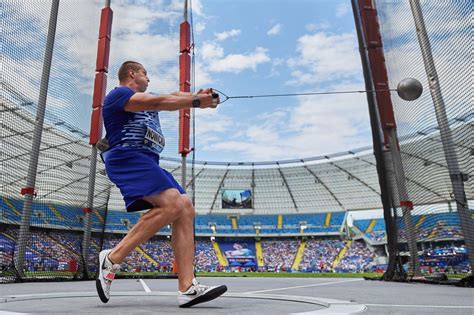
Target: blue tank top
x=131 y=129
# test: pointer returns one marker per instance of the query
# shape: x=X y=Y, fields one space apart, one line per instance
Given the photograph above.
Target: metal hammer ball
x=409 y=89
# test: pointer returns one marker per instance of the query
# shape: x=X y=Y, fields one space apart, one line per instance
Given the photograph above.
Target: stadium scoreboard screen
x=237 y=199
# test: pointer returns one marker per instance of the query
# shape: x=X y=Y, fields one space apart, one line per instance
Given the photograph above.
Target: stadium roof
x=343 y=181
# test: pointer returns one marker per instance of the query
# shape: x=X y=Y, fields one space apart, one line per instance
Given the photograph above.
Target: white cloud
x=210 y=51
x=257 y=142
x=275 y=30
x=314 y=126
x=451 y=55
x=325 y=124
x=329 y=123
x=23 y=77
x=450 y=63
x=26 y=79
x=163 y=79
x=199 y=28
x=75 y=47
x=134 y=36
x=324 y=56
x=397 y=15
x=324 y=25
x=196 y=6
x=237 y=63
x=276 y=63
x=138 y=18
x=161 y=65
x=343 y=8
x=227 y=34
x=209 y=123
x=325 y=112
x=148 y=49
x=203 y=77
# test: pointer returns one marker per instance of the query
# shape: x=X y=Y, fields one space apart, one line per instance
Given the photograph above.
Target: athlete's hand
x=207 y=98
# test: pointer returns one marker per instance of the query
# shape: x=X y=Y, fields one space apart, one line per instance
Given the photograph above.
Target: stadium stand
x=121 y=222
x=58 y=250
x=430 y=227
x=319 y=255
x=51 y=247
x=278 y=254
x=357 y=258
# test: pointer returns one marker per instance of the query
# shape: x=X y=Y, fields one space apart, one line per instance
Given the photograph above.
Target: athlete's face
x=141 y=79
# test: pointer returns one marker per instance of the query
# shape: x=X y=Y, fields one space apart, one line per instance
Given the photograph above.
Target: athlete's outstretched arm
x=169 y=102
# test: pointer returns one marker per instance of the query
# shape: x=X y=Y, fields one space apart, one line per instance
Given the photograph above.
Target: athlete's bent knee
x=189 y=211
x=179 y=208
x=170 y=203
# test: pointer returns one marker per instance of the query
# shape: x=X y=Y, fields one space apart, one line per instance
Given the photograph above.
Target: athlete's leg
x=168 y=206
x=191 y=292
x=183 y=244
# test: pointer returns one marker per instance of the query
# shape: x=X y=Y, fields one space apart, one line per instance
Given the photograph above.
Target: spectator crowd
x=47 y=249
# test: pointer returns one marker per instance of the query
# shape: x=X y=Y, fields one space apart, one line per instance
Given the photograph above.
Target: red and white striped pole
x=184 y=86
x=376 y=59
x=100 y=84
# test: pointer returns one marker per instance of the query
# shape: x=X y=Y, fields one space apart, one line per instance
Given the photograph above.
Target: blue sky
x=242 y=48
x=272 y=47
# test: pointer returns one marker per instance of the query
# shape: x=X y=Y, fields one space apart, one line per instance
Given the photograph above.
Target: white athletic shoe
x=199 y=293
x=105 y=275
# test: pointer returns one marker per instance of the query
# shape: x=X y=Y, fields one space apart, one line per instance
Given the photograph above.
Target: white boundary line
x=420 y=305
x=303 y=286
x=145 y=286
x=330 y=306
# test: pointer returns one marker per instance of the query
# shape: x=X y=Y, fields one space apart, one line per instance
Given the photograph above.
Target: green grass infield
x=46 y=274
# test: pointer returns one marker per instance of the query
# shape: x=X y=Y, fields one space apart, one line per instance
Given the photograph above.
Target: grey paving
x=245 y=296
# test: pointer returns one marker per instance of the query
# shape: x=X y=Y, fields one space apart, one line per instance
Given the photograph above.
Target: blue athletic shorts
x=137 y=173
